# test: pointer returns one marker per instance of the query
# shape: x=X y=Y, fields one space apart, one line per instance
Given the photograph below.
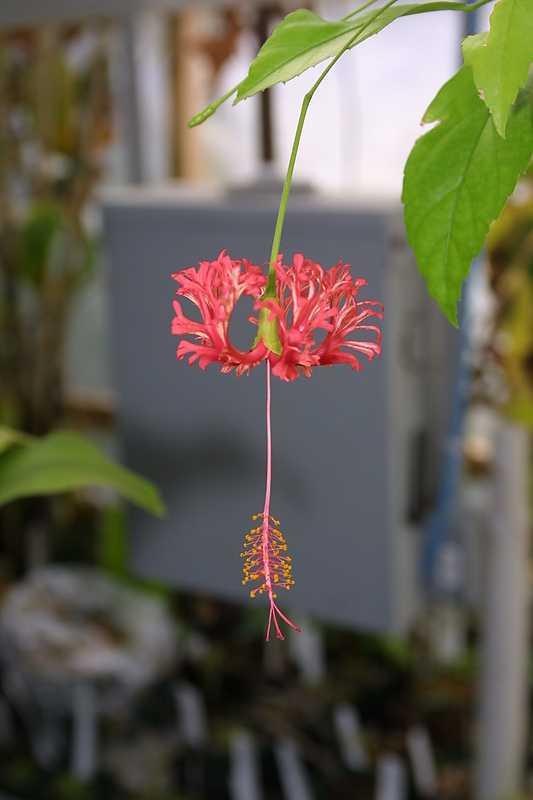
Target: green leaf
x=113 y=543
x=65 y=461
x=501 y=59
x=9 y=437
x=457 y=180
x=38 y=233
x=303 y=39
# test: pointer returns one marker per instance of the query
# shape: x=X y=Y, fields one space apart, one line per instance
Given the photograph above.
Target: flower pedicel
x=305 y=299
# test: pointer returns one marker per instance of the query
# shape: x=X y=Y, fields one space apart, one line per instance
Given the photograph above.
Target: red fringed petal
x=215 y=287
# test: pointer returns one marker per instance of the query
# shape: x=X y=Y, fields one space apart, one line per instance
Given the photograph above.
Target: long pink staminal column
x=265 y=549
x=266 y=532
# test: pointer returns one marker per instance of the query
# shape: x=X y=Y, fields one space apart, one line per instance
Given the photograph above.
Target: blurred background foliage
x=510 y=254
x=55 y=111
x=54 y=103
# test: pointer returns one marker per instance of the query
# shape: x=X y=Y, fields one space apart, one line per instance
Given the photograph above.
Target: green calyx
x=268 y=332
x=268 y=327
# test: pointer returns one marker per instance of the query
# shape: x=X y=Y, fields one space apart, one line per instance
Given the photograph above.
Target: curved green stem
x=270 y=291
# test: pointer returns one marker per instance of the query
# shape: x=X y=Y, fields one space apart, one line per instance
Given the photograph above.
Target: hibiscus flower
x=313 y=317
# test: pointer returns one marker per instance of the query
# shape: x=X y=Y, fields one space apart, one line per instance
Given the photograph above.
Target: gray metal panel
x=15 y=13
x=34 y=12
x=200 y=436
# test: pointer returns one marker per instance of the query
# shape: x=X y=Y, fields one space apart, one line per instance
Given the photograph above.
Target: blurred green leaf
x=44 y=223
x=65 y=461
x=113 y=551
x=457 y=180
x=113 y=554
x=67 y=787
x=501 y=59
x=10 y=437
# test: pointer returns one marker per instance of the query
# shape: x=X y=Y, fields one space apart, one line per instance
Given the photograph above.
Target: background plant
x=53 y=102
x=54 y=106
